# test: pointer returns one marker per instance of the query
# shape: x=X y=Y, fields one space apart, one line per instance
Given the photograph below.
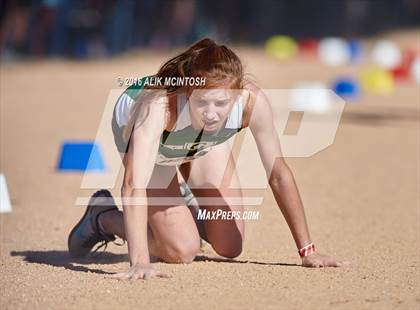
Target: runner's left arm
x=281 y=179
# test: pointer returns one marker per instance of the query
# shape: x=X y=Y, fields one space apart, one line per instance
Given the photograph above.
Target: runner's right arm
x=139 y=164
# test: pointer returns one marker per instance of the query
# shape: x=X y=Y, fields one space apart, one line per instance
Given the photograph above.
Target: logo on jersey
x=197 y=146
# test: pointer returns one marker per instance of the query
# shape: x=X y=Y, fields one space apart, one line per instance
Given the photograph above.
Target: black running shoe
x=87 y=233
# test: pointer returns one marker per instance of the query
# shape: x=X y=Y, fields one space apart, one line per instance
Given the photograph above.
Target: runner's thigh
x=170 y=220
x=210 y=178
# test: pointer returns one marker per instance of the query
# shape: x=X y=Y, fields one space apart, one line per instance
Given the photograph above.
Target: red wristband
x=307 y=250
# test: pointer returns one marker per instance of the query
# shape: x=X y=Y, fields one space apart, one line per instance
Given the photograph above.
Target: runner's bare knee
x=182 y=252
x=229 y=249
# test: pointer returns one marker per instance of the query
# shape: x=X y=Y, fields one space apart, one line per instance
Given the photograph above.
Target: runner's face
x=210 y=108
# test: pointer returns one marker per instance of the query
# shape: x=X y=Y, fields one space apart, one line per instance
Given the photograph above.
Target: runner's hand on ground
x=317 y=260
x=140 y=271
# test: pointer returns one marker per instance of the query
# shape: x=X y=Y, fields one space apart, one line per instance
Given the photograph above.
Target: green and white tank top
x=183 y=143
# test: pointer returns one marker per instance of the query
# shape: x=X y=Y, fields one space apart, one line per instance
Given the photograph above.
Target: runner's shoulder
x=251 y=87
x=253 y=91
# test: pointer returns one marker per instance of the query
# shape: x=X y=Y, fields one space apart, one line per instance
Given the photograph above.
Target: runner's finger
x=135 y=277
x=336 y=264
x=120 y=275
x=163 y=275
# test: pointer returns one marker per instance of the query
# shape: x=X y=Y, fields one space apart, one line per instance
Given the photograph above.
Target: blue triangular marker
x=80 y=156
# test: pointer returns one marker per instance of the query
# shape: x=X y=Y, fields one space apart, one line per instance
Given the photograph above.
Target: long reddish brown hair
x=218 y=64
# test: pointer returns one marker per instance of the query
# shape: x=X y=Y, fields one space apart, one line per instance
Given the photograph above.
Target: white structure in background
x=386 y=54
x=312 y=97
x=415 y=69
x=5 y=205
x=334 y=51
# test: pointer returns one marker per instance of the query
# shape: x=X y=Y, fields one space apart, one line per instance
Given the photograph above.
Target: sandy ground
x=361 y=197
